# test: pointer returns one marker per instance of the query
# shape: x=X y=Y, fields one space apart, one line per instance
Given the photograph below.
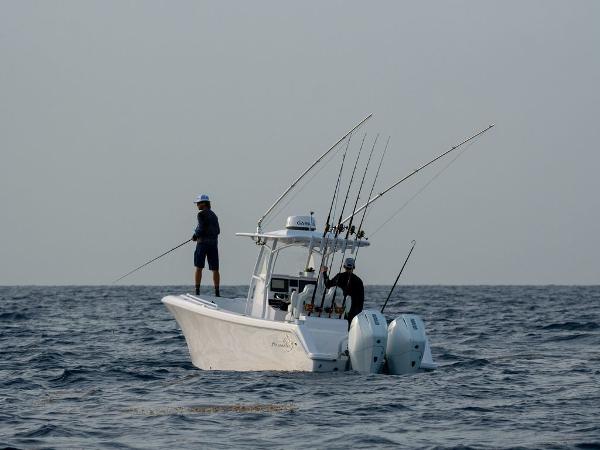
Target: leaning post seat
x=292 y=307
x=339 y=299
x=298 y=300
x=338 y=293
x=304 y=298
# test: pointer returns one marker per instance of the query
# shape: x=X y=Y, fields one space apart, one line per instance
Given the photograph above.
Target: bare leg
x=198 y=279
x=216 y=282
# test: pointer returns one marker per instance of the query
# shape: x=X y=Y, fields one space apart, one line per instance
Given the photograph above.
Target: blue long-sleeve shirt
x=208 y=228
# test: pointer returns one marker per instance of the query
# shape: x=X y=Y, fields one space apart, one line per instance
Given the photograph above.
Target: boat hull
x=219 y=339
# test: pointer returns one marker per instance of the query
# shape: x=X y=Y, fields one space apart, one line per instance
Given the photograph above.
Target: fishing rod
x=381 y=194
x=350 y=228
x=318 y=160
x=151 y=261
x=337 y=185
x=333 y=200
x=416 y=194
x=360 y=233
x=338 y=226
x=398 y=277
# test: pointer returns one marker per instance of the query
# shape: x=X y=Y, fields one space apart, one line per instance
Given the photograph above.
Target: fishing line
x=281 y=209
x=435 y=177
x=303 y=174
x=417 y=170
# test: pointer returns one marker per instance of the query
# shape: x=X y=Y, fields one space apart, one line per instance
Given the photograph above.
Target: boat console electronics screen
x=279 y=285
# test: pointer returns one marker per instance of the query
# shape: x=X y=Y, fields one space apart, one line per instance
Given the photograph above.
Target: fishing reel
x=339 y=309
x=339 y=228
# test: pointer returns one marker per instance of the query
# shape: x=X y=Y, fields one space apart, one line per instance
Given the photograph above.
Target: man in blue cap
x=206 y=236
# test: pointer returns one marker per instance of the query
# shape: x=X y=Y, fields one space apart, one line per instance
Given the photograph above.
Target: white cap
x=349 y=263
x=202 y=198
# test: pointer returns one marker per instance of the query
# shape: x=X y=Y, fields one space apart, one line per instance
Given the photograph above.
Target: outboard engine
x=367 y=340
x=406 y=341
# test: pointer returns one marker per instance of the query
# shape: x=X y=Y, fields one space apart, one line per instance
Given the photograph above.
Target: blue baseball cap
x=202 y=198
x=349 y=263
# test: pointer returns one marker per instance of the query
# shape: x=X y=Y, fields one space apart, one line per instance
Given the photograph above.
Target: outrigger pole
x=260 y=221
x=378 y=196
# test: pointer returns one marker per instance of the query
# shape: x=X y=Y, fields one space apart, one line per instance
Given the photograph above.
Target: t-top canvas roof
x=306 y=237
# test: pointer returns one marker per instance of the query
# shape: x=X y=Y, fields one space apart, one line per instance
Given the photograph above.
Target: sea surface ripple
x=107 y=367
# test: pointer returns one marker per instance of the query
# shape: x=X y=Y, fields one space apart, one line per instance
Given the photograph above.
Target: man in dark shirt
x=206 y=235
x=351 y=285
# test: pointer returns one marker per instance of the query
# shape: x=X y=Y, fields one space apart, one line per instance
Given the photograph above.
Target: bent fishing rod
x=398 y=277
x=151 y=261
x=381 y=194
x=318 y=160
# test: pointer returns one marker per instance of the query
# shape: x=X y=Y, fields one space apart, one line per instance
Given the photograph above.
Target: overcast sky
x=114 y=115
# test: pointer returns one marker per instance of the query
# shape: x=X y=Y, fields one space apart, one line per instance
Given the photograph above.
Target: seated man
x=351 y=285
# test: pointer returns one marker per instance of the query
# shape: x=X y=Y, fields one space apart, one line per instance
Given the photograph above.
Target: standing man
x=351 y=285
x=206 y=236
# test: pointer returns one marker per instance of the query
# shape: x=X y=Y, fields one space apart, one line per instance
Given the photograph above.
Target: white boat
x=288 y=321
x=273 y=328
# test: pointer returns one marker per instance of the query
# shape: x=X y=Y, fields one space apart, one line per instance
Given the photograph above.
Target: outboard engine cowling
x=367 y=341
x=405 y=344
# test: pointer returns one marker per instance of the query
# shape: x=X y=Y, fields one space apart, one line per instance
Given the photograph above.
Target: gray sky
x=114 y=115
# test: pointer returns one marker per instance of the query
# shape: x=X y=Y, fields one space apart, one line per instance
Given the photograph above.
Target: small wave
x=44 y=430
x=567 y=337
x=19 y=383
x=469 y=363
x=476 y=409
x=46 y=358
x=373 y=440
x=588 y=445
x=375 y=409
x=14 y=316
x=572 y=326
x=71 y=375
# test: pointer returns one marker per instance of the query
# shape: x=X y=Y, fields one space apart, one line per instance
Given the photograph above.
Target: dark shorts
x=207 y=251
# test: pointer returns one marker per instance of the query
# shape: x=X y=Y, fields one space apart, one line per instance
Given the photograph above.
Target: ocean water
x=107 y=367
